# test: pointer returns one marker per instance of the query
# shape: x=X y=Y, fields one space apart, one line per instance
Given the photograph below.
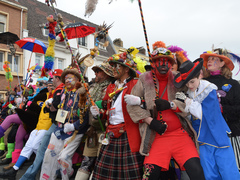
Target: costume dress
x=62 y=146
x=216 y=153
x=229 y=96
x=176 y=141
x=120 y=158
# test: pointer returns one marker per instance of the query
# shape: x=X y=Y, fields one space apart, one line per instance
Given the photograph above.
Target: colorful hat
x=128 y=59
x=180 y=54
x=220 y=54
x=163 y=52
x=57 y=72
x=188 y=70
x=105 y=67
x=73 y=71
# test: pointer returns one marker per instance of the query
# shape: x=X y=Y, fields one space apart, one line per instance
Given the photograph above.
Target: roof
x=37 y=13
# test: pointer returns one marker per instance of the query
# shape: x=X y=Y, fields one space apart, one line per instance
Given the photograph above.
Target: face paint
x=117 y=68
x=163 y=65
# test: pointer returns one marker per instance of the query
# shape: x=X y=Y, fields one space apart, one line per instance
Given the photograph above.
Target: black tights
x=192 y=166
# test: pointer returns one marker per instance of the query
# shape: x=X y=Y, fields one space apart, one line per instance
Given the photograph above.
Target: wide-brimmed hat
x=105 y=67
x=70 y=71
x=163 y=52
x=227 y=60
x=188 y=70
x=126 y=59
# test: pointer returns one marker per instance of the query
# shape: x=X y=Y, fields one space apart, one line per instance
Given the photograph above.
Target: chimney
x=118 y=42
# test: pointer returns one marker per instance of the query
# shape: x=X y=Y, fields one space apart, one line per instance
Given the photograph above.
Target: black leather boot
x=10 y=174
x=5 y=161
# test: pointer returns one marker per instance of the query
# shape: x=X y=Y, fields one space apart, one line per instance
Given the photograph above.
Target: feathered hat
x=129 y=59
x=163 y=52
x=223 y=54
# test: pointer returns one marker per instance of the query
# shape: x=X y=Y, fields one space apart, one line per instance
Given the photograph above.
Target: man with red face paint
x=166 y=133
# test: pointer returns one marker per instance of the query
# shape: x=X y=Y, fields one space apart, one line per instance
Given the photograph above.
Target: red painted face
x=162 y=65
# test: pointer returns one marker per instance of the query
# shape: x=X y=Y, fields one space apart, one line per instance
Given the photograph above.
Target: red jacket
x=132 y=128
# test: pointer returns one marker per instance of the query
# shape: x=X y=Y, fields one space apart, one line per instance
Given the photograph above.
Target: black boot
x=5 y=161
x=10 y=174
x=2 y=152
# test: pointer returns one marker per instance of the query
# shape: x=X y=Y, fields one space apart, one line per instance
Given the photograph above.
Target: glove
x=180 y=96
x=159 y=126
x=132 y=100
x=49 y=101
x=94 y=110
x=162 y=104
x=68 y=127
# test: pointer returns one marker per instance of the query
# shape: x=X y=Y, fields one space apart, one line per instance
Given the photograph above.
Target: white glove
x=68 y=127
x=94 y=110
x=132 y=100
x=49 y=101
x=180 y=96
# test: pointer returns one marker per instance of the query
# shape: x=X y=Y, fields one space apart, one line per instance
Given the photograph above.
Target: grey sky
x=193 y=25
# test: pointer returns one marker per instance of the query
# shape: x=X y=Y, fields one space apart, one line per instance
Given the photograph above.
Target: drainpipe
x=21 y=24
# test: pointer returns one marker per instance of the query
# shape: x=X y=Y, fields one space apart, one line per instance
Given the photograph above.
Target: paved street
x=24 y=168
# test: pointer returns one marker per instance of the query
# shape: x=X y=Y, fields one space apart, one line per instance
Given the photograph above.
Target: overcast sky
x=192 y=25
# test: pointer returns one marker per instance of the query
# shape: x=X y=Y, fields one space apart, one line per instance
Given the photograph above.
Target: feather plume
x=158 y=44
x=90 y=7
x=180 y=53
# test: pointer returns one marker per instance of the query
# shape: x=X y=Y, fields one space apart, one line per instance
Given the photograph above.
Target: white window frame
x=12 y=66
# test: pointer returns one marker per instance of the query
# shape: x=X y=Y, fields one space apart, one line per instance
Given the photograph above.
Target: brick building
x=12 y=19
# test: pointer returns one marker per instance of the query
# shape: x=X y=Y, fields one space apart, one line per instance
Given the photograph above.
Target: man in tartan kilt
x=119 y=156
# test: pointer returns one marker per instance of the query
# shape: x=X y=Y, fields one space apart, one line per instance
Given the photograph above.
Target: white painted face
x=193 y=84
x=214 y=63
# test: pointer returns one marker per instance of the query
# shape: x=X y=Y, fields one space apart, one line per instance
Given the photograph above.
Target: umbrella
x=78 y=30
x=8 y=38
x=32 y=45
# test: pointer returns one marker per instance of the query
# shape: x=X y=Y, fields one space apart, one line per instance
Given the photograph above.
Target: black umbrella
x=8 y=38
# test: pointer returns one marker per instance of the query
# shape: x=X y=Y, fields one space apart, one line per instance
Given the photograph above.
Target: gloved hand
x=159 y=126
x=68 y=127
x=94 y=110
x=162 y=104
x=49 y=101
x=132 y=100
x=180 y=96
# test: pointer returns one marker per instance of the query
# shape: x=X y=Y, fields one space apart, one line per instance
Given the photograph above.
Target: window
x=1 y=61
x=38 y=59
x=16 y=64
x=60 y=63
x=82 y=41
x=13 y=64
x=2 y=25
x=3 y=21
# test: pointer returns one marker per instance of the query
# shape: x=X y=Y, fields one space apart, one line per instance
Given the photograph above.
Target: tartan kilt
x=235 y=141
x=117 y=162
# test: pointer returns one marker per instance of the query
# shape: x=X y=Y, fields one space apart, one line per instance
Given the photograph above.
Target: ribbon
x=185 y=75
